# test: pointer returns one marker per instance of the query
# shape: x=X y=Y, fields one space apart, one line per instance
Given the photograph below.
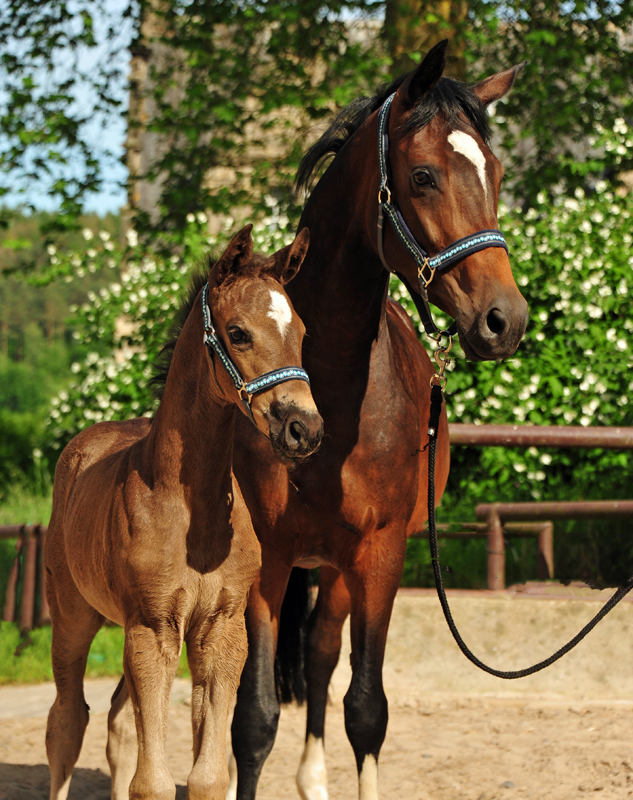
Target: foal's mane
x=449 y=98
x=161 y=368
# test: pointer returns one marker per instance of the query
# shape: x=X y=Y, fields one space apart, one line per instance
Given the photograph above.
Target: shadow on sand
x=25 y=782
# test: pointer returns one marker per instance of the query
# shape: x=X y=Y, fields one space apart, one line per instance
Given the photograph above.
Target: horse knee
x=253 y=732
x=366 y=717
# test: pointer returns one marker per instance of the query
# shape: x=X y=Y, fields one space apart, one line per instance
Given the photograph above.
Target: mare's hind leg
x=372 y=583
x=257 y=711
x=322 y=653
x=150 y=660
x=122 y=749
x=74 y=624
x=216 y=652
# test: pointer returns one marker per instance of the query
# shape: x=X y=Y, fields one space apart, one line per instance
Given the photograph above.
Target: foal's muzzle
x=295 y=433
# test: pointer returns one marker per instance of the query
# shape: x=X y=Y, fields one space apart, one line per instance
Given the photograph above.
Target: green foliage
x=60 y=68
x=33 y=664
x=578 y=73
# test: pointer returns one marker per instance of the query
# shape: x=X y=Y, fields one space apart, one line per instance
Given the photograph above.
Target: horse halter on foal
x=245 y=390
x=426 y=264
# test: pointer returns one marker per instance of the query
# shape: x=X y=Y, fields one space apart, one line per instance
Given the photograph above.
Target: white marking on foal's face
x=280 y=311
x=464 y=144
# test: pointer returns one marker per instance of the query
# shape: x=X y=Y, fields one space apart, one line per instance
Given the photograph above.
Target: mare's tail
x=290 y=681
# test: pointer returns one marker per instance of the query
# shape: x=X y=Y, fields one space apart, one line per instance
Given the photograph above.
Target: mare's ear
x=236 y=256
x=428 y=73
x=285 y=264
x=496 y=86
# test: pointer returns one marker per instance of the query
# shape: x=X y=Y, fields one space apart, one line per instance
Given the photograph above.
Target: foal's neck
x=191 y=438
x=341 y=290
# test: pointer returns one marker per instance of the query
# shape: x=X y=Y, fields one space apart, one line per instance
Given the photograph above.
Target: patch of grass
x=19 y=505
x=33 y=664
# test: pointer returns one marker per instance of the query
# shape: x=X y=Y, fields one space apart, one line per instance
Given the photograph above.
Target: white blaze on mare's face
x=464 y=144
x=368 y=779
x=280 y=311
x=312 y=775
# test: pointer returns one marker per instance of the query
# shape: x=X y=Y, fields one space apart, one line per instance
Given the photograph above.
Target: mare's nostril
x=496 y=322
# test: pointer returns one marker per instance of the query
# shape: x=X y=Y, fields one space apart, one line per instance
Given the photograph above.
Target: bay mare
x=349 y=510
x=149 y=529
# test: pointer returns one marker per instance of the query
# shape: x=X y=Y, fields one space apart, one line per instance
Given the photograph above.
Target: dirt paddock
x=454 y=733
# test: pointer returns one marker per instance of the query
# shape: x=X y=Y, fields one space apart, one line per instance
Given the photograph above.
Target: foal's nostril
x=297 y=433
x=496 y=322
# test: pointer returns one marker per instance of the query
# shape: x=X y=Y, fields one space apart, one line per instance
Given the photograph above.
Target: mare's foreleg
x=322 y=654
x=74 y=624
x=216 y=651
x=372 y=583
x=150 y=660
x=257 y=711
x=122 y=748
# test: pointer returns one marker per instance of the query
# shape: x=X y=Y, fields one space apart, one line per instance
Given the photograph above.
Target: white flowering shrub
x=126 y=324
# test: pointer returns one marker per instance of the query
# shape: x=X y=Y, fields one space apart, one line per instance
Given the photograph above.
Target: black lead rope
x=436 y=407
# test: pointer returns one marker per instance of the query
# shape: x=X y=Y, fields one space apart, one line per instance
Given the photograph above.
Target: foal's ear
x=428 y=73
x=285 y=264
x=236 y=256
x=496 y=86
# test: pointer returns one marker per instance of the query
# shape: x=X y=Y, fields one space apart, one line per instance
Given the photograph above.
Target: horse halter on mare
x=245 y=390
x=444 y=259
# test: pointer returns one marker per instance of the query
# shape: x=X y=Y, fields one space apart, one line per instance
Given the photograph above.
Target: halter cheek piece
x=245 y=390
x=427 y=266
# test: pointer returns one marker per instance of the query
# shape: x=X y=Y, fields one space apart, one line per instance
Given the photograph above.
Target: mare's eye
x=422 y=178
x=237 y=336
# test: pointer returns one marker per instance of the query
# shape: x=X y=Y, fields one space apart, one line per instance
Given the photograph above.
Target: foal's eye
x=422 y=178
x=237 y=336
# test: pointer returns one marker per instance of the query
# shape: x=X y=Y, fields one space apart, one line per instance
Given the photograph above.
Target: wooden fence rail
x=25 y=596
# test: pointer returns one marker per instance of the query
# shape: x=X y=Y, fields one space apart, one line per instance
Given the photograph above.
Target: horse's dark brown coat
x=350 y=508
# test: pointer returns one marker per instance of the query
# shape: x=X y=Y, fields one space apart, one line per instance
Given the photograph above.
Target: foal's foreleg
x=216 y=652
x=372 y=583
x=150 y=661
x=322 y=653
x=122 y=749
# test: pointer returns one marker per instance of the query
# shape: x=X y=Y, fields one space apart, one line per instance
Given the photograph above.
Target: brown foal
x=149 y=529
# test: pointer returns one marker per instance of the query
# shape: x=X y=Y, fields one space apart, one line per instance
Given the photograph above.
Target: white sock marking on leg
x=312 y=775
x=280 y=311
x=464 y=144
x=368 y=779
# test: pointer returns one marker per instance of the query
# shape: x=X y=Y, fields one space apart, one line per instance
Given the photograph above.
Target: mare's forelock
x=448 y=98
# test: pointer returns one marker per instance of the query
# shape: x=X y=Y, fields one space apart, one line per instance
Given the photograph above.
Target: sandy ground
x=453 y=733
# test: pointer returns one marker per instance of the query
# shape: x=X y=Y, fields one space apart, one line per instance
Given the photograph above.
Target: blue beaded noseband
x=245 y=390
x=427 y=266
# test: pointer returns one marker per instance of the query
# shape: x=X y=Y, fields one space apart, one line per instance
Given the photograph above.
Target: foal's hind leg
x=322 y=653
x=216 y=652
x=74 y=624
x=122 y=749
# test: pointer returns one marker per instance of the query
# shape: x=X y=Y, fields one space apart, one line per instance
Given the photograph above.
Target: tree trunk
x=415 y=26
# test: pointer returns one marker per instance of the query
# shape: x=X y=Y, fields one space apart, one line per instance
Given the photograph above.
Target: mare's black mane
x=449 y=98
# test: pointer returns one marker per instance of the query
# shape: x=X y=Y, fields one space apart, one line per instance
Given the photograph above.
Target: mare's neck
x=341 y=288
x=190 y=443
